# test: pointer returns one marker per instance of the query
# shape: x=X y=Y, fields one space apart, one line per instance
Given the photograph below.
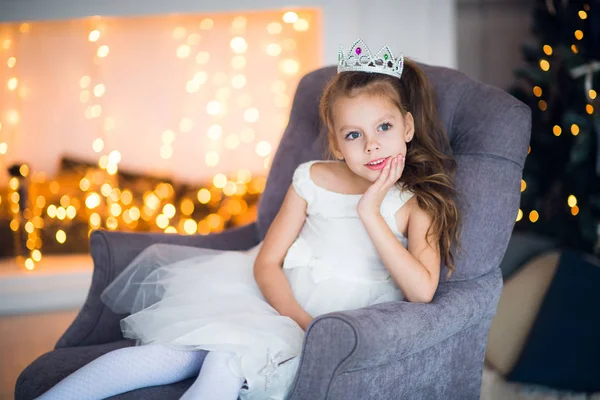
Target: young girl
x=341 y=236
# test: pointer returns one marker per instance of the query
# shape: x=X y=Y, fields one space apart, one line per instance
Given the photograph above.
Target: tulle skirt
x=202 y=299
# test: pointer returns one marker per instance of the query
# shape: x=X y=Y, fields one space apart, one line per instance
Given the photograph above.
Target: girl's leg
x=127 y=369
x=215 y=381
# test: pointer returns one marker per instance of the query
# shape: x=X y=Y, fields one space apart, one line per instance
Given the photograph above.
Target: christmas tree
x=561 y=180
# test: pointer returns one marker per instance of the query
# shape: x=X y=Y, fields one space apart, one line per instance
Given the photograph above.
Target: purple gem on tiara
x=358 y=50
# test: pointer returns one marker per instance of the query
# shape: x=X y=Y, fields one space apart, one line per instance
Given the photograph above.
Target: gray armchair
x=396 y=350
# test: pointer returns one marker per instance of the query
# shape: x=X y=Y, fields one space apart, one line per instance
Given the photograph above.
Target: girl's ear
x=409 y=127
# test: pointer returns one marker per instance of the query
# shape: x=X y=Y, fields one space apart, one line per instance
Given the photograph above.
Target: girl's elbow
x=422 y=296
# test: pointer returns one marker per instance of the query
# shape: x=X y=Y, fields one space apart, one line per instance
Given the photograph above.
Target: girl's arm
x=268 y=270
x=415 y=270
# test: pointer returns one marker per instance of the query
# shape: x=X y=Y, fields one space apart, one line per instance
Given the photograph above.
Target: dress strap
x=302 y=182
x=394 y=200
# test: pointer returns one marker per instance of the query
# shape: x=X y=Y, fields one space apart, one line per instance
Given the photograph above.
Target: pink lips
x=377 y=166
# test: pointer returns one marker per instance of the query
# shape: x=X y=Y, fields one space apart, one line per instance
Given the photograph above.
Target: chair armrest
x=352 y=340
x=111 y=252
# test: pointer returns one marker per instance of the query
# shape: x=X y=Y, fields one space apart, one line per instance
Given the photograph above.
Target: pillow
x=562 y=350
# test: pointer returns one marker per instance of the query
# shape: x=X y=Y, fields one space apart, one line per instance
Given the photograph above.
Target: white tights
x=136 y=367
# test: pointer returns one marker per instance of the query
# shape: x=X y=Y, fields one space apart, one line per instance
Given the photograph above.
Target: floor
x=23 y=338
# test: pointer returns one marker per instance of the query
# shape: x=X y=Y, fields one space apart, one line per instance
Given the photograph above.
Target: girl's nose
x=371 y=146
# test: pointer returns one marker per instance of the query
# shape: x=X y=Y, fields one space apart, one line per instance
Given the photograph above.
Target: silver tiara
x=359 y=58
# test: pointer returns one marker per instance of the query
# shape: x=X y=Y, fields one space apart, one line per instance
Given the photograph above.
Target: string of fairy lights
x=99 y=199
x=556 y=129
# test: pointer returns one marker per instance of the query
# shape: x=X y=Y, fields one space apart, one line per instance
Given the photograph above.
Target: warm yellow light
x=238 y=25
x=29 y=264
x=263 y=148
x=162 y=221
x=575 y=210
x=71 y=212
x=40 y=202
x=24 y=170
x=289 y=44
x=582 y=14
x=103 y=51
x=537 y=91
x=534 y=216
x=51 y=211
x=14 y=225
x=193 y=39
x=12 y=117
x=186 y=124
x=572 y=201
x=84 y=96
x=170 y=229
x=3 y=147
x=211 y=158
x=115 y=209
x=523 y=185
x=290 y=17
x=200 y=77
x=94 y=35
x=190 y=226
x=29 y=227
x=166 y=151
x=169 y=210
x=232 y=141
x=556 y=130
x=61 y=213
x=213 y=107
x=36 y=255
x=61 y=236
x=238 y=62
x=220 y=181
x=214 y=132
x=301 y=25
x=544 y=65
x=126 y=197
x=274 y=28
x=11 y=62
x=109 y=124
x=574 y=49
x=213 y=220
x=15 y=197
x=542 y=105
x=106 y=189
x=203 y=196
x=592 y=94
x=24 y=27
x=112 y=223
x=12 y=83
x=244 y=176
x=192 y=86
x=64 y=201
x=99 y=90
x=238 y=81
x=183 y=51
x=206 y=24
x=230 y=188
x=251 y=115
x=273 y=49
x=84 y=81
x=178 y=32
x=589 y=109
x=578 y=34
x=134 y=213
x=238 y=45
x=13 y=183
x=95 y=220
x=186 y=206
x=168 y=136
x=575 y=129
x=202 y=57
x=547 y=49
x=92 y=200
x=164 y=190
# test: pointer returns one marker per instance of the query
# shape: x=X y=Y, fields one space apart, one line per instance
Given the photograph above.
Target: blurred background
x=164 y=116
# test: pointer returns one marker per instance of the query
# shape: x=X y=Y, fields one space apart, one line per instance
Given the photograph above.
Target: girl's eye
x=353 y=135
x=385 y=126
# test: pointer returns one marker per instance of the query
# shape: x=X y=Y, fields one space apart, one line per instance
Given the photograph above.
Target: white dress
x=196 y=299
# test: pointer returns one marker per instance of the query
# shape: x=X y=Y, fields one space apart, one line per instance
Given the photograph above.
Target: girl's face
x=369 y=129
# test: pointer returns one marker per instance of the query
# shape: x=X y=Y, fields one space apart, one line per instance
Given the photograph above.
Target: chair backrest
x=489 y=133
